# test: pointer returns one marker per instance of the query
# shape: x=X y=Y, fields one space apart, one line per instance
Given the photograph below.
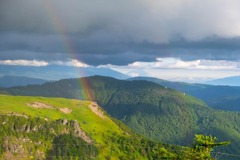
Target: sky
x=183 y=40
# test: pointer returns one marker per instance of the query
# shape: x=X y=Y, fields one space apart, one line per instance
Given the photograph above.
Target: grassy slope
x=150 y=109
x=99 y=129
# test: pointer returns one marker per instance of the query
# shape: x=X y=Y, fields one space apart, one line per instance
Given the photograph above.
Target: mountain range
x=228 y=81
x=158 y=112
x=57 y=72
x=12 y=81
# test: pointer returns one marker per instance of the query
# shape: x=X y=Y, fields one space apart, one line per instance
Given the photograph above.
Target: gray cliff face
x=28 y=138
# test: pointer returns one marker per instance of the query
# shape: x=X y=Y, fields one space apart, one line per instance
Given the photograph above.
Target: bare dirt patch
x=96 y=109
x=65 y=110
x=40 y=105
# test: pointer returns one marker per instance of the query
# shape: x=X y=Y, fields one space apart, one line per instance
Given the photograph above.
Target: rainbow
x=68 y=46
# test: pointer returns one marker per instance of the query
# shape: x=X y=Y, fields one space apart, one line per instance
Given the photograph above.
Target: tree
x=203 y=146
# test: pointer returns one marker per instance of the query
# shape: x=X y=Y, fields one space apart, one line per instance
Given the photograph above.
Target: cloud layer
x=172 y=63
x=119 y=32
x=24 y=62
x=137 y=20
x=164 y=68
x=178 y=70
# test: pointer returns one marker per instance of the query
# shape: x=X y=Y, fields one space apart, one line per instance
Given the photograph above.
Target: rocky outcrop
x=29 y=138
x=40 y=105
x=73 y=127
x=21 y=148
x=96 y=109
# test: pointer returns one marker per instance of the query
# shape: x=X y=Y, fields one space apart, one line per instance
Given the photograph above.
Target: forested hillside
x=155 y=111
x=218 y=97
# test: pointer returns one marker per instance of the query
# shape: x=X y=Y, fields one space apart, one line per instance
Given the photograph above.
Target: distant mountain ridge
x=13 y=81
x=57 y=72
x=228 y=81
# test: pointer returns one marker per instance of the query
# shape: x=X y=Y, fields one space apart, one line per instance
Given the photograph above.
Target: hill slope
x=157 y=112
x=49 y=128
x=218 y=97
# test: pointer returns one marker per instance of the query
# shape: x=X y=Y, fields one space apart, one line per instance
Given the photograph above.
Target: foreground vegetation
x=46 y=131
x=57 y=128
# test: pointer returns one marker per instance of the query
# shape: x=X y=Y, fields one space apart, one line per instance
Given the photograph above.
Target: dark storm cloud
x=96 y=52
x=119 y=32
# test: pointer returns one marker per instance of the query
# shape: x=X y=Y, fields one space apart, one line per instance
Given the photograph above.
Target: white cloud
x=71 y=62
x=173 y=63
x=77 y=63
x=37 y=63
x=178 y=70
x=22 y=62
x=134 y=74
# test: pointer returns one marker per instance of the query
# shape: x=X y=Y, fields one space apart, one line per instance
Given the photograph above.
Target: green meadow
x=112 y=139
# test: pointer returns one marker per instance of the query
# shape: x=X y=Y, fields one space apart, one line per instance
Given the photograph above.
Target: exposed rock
x=77 y=131
x=65 y=121
x=40 y=105
x=81 y=133
x=96 y=109
x=17 y=114
x=24 y=148
x=20 y=148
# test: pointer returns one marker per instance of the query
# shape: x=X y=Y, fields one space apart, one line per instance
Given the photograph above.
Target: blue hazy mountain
x=228 y=81
x=11 y=81
x=57 y=72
